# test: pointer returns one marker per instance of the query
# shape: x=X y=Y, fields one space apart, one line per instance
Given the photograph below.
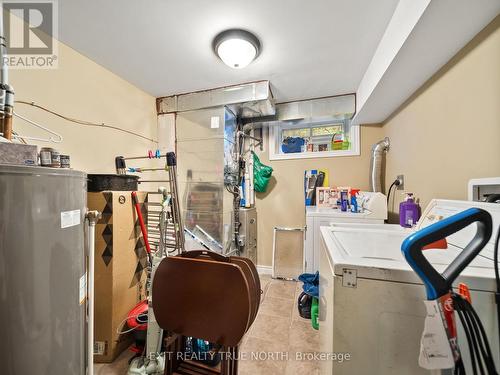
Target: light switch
x=214 y=122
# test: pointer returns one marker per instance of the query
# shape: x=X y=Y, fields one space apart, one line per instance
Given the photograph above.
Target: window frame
x=276 y=129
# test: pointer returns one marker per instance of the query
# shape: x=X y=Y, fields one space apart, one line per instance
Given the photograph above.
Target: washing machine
x=373 y=211
x=371 y=301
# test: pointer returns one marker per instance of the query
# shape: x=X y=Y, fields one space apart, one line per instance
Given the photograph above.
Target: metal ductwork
x=323 y=108
x=377 y=165
x=331 y=108
x=253 y=99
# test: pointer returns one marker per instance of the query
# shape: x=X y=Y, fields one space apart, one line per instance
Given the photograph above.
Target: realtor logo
x=29 y=29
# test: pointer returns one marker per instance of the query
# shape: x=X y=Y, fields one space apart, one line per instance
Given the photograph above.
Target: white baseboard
x=265 y=270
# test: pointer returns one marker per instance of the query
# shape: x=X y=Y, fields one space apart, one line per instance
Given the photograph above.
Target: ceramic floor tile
x=304 y=336
x=259 y=356
x=299 y=287
x=244 y=339
x=271 y=328
x=301 y=363
x=256 y=345
x=277 y=307
x=282 y=289
x=298 y=292
x=264 y=291
x=261 y=367
x=265 y=278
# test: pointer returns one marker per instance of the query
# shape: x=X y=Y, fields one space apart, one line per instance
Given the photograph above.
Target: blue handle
x=437 y=284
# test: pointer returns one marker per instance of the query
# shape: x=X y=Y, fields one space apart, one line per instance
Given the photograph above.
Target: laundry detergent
x=409 y=211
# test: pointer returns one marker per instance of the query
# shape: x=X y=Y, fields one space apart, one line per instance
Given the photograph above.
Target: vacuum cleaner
x=439 y=344
x=149 y=358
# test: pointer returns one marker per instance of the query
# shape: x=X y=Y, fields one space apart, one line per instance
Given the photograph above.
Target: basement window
x=313 y=139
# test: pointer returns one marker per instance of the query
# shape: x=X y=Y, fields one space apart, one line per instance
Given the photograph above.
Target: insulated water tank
x=42 y=271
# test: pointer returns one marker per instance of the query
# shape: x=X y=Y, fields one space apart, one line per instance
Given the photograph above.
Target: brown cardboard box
x=120 y=269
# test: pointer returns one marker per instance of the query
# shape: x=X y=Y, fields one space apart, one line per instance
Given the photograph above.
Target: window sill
x=275 y=154
x=313 y=155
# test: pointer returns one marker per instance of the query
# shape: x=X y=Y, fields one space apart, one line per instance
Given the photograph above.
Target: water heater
x=42 y=271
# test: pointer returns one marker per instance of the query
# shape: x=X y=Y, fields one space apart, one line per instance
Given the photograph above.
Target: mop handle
x=141 y=221
x=437 y=284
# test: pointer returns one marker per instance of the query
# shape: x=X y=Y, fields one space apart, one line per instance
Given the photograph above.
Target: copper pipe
x=7 y=123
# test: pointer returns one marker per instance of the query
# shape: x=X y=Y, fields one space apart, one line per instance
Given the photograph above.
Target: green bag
x=261 y=174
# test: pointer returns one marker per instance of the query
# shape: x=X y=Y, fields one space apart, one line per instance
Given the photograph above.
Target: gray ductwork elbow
x=377 y=165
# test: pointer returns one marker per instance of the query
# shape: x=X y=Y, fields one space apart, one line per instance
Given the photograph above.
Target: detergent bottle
x=409 y=211
x=343 y=200
x=354 y=200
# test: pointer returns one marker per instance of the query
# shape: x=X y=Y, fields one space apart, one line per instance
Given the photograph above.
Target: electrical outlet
x=401 y=179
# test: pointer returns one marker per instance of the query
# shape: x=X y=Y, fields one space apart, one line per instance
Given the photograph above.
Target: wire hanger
x=57 y=139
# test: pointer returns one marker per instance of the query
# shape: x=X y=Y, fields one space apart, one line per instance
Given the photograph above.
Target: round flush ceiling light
x=236 y=48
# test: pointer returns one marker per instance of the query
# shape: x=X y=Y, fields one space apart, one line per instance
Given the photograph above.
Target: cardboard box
x=120 y=269
x=18 y=153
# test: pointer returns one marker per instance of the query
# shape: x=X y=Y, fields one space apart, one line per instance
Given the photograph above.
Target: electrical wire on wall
x=396 y=182
x=83 y=122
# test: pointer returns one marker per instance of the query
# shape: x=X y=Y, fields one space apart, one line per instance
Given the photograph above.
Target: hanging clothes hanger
x=55 y=138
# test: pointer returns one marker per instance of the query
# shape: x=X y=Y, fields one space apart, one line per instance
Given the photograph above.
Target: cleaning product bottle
x=315 y=313
x=409 y=211
x=354 y=200
x=343 y=200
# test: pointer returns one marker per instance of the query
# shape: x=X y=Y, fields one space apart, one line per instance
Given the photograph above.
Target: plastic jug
x=409 y=211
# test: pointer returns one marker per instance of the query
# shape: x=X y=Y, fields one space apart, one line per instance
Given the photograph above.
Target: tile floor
x=279 y=329
x=272 y=343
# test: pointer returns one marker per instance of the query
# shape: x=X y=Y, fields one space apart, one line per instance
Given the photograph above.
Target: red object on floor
x=136 y=349
x=140 y=309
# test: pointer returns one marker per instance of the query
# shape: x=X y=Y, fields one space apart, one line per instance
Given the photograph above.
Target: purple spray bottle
x=409 y=211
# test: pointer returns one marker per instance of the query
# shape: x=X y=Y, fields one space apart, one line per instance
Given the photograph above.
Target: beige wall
x=283 y=203
x=82 y=89
x=449 y=131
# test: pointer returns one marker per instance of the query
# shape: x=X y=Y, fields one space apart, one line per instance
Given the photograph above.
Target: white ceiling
x=422 y=36
x=310 y=48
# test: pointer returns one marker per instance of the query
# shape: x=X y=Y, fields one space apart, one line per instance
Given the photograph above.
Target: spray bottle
x=343 y=200
x=409 y=211
x=354 y=200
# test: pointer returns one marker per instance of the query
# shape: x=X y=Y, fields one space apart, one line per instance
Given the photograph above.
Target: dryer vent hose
x=377 y=165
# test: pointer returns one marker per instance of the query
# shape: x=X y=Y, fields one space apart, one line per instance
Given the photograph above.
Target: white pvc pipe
x=251 y=178
x=90 y=297
x=247 y=186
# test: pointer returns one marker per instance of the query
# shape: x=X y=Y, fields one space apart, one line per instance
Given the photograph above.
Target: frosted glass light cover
x=236 y=53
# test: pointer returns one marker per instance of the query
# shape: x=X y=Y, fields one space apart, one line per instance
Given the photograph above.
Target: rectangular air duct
x=328 y=107
x=253 y=99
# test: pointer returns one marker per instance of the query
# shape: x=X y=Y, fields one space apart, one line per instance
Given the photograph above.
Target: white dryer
x=371 y=300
